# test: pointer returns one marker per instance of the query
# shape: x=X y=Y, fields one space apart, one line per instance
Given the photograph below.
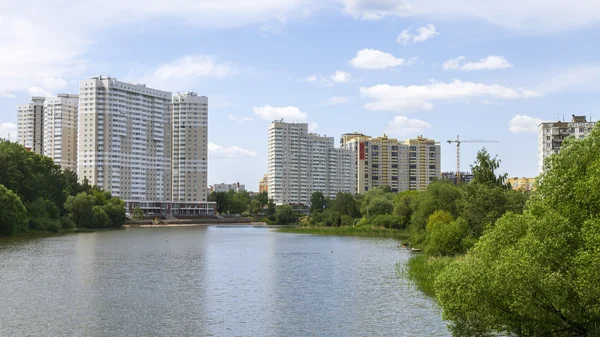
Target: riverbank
x=422 y=271
x=350 y=231
x=198 y=224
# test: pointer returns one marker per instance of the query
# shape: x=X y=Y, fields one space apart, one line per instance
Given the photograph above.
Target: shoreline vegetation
x=375 y=232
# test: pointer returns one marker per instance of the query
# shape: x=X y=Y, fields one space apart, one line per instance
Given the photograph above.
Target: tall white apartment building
x=60 y=130
x=424 y=162
x=190 y=147
x=124 y=141
x=30 y=128
x=300 y=163
x=552 y=134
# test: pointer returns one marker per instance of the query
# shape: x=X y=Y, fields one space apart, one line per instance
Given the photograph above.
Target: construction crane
x=458 y=141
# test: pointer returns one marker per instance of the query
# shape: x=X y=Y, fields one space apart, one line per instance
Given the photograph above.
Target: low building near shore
x=172 y=208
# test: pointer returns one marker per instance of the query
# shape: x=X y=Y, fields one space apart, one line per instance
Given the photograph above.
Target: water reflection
x=203 y=281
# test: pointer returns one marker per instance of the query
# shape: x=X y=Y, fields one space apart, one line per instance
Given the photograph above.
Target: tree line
x=37 y=195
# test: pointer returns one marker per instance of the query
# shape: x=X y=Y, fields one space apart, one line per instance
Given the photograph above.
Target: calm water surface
x=208 y=281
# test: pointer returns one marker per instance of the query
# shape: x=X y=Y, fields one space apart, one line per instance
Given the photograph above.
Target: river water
x=209 y=281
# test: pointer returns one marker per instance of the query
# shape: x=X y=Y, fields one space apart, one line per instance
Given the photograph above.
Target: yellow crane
x=458 y=141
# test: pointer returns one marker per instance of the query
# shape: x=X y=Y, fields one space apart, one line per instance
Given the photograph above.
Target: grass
x=422 y=271
x=350 y=231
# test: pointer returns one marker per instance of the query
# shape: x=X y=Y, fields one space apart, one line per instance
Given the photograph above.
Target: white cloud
x=375 y=59
x=240 y=119
x=532 y=15
x=524 y=124
x=311 y=78
x=231 y=151
x=491 y=62
x=186 y=71
x=341 y=77
x=488 y=102
x=6 y=129
x=419 y=97
x=312 y=127
x=335 y=100
x=288 y=113
x=422 y=34
x=402 y=125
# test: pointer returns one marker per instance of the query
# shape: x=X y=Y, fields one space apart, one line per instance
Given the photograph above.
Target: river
x=209 y=281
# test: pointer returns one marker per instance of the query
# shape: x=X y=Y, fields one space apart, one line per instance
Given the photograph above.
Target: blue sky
x=480 y=69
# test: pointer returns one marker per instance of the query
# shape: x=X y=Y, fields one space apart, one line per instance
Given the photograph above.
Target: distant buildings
x=465 y=177
x=60 y=130
x=300 y=163
x=523 y=184
x=236 y=187
x=402 y=165
x=190 y=147
x=552 y=134
x=30 y=128
x=263 y=184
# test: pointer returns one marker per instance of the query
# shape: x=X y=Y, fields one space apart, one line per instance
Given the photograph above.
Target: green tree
x=222 y=200
x=484 y=170
x=317 y=202
x=80 y=208
x=138 y=214
x=345 y=204
x=536 y=273
x=448 y=238
x=99 y=218
x=439 y=195
x=262 y=198
x=271 y=209
x=255 y=207
x=403 y=202
x=115 y=210
x=13 y=214
x=380 y=207
x=284 y=215
x=373 y=195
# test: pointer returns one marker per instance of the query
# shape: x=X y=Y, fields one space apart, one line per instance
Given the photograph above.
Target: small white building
x=236 y=187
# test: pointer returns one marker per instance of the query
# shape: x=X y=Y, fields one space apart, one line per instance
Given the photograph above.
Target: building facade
x=236 y=187
x=263 y=184
x=300 y=163
x=190 y=147
x=424 y=162
x=60 y=130
x=387 y=162
x=30 y=128
x=552 y=134
x=523 y=184
x=124 y=138
x=465 y=177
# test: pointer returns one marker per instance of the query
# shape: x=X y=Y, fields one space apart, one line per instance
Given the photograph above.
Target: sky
x=482 y=69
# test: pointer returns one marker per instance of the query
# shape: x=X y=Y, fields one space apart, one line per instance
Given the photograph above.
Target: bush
x=347 y=220
x=448 y=239
x=388 y=221
x=66 y=222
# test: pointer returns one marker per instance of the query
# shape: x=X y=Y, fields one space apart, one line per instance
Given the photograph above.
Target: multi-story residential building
x=381 y=162
x=236 y=187
x=524 y=184
x=400 y=165
x=301 y=163
x=124 y=141
x=263 y=184
x=190 y=147
x=552 y=134
x=60 y=130
x=465 y=177
x=424 y=157
x=30 y=129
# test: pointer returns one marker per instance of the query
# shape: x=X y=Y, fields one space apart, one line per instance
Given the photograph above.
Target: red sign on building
x=362 y=151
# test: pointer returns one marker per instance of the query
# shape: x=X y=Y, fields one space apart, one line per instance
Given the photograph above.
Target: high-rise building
x=301 y=163
x=387 y=162
x=190 y=147
x=380 y=162
x=552 y=134
x=424 y=162
x=523 y=184
x=60 y=130
x=30 y=129
x=263 y=184
x=124 y=138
